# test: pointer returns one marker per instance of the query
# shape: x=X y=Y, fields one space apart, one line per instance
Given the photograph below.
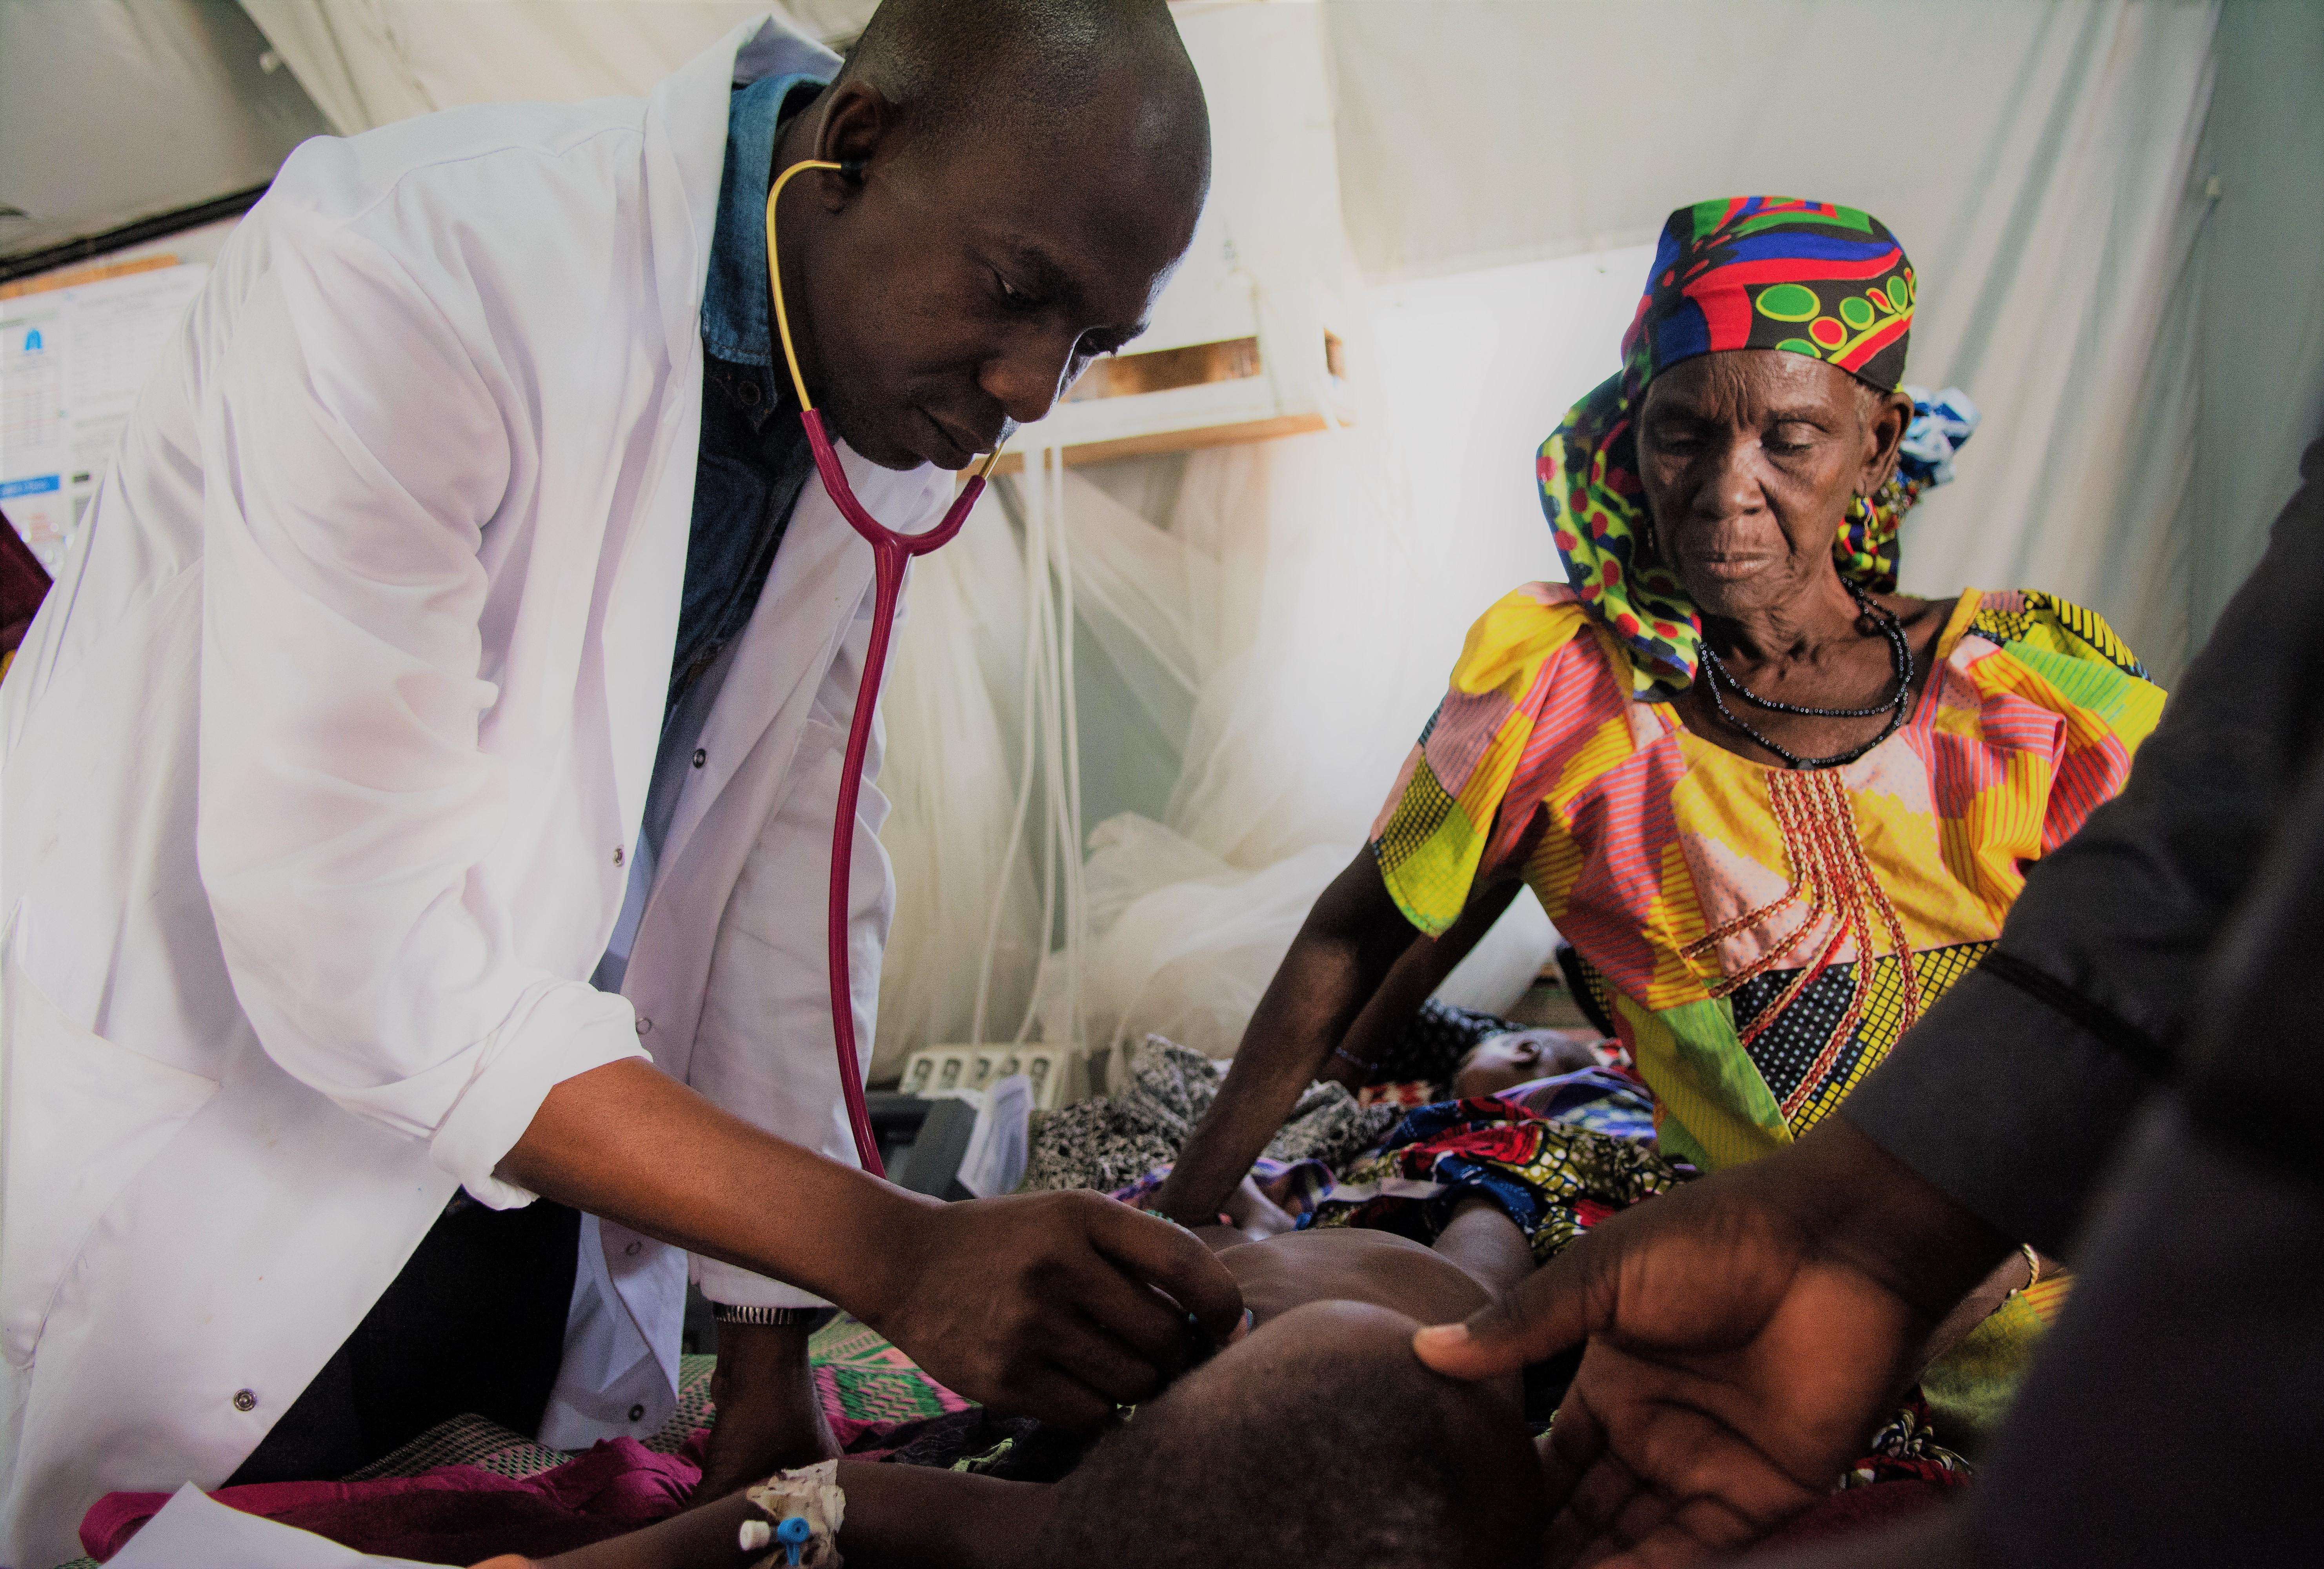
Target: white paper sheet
x=195 y=1531
x=1001 y=1141
x=35 y=426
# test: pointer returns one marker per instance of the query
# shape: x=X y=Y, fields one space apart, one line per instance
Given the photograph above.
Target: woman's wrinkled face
x=1749 y=459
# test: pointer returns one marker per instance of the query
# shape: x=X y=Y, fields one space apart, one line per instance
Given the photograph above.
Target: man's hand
x=770 y=1417
x=1052 y=1303
x=1049 y=1304
x=1745 y=1334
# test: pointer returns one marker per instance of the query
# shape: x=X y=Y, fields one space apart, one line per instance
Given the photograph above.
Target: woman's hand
x=1061 y=1306
x=1350 y=942
x=1745 y=1334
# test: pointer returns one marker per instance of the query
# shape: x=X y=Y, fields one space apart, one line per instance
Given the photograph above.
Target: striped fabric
x=1679 y=871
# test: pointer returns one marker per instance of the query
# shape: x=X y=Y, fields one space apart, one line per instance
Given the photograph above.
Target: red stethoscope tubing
x=891 y=551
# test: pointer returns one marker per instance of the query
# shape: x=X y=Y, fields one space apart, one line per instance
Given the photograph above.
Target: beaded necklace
x=1900 y=657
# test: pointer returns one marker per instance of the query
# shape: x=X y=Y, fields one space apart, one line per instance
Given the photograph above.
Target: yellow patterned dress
x=1759 y=937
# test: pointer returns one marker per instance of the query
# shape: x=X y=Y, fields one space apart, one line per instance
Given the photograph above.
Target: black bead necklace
x=1900 y=659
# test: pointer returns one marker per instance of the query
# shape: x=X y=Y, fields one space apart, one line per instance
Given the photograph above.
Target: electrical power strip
x=1060 y=1075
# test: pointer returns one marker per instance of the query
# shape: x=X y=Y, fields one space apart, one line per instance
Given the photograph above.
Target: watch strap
x=783 y=1317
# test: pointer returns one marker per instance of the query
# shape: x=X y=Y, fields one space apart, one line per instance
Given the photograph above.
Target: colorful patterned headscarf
x=1756 y=271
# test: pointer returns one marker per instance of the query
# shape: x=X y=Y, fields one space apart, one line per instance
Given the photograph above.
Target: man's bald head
x=1015 y=180
x=954 y=67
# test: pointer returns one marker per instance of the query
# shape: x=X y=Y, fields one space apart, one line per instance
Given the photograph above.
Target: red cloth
x=457 y=1514
x=24 y=583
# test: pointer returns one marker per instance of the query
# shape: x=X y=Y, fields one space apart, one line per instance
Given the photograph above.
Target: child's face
x=1503 y=1062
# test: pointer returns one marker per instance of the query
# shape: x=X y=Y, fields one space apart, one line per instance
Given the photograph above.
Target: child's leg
x=1483 y=1240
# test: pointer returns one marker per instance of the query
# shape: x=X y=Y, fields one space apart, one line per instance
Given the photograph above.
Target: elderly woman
x=1776 y=806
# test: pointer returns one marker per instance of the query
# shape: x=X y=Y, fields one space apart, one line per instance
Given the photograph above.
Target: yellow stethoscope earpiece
x=775 y=277
x=782 y=314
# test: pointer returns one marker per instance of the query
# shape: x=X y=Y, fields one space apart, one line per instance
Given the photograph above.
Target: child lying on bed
x=1519 y=1057
x=1316 y=1437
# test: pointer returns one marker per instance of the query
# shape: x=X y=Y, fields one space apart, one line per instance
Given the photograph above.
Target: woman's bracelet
x=2032 y=1270
x=1347 y=1056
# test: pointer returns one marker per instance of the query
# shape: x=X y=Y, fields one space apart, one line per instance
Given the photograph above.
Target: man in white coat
x=459 y=622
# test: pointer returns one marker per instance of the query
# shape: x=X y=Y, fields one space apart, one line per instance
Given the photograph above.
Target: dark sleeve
x=2013 y=1091
x=2150 y=1428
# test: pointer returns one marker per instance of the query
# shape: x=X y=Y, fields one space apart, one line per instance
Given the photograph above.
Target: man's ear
x=1886 y=423
x=859 y=124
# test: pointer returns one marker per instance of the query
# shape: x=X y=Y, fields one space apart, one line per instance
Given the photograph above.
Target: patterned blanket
x=1115 y=1140
x=1576 y=1150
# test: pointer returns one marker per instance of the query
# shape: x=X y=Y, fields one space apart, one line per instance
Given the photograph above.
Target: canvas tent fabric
x=2036 y=161
x=367 y=62
x=2258 y=310
x=113 y=112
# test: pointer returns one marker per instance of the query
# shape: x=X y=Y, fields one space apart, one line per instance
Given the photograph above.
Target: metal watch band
x=785 y=1317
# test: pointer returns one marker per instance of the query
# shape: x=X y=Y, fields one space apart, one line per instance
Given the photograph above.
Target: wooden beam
x=1164 y=370
x=1175 y=441
x=79 y=275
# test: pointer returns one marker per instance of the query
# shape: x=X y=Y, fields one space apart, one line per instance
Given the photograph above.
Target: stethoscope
x=890 y=551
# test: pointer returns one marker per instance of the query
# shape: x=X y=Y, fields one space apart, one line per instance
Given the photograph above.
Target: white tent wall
x=117 y=111
x=2036 y=160
x=2260 y=337
x=366 y=62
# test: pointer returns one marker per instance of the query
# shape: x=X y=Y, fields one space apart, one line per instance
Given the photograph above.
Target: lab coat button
x=701 y=756
x=631 y=1250
x=637 y=1413
x=618 y=855
x=244 y=1400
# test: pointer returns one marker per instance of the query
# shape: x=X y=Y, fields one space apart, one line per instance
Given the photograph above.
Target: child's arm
x=898 y=1516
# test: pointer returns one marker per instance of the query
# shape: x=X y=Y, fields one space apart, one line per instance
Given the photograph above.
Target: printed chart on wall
x=75 y=349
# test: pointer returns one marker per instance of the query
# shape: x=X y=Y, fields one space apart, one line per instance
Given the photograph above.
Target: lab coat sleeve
x=765 y=1052
x=354 y=452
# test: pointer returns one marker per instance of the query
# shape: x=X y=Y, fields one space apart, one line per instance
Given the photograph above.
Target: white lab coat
x=323 y=762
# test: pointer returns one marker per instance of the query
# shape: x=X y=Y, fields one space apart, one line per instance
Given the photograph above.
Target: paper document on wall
x=72 y=361
x=35 y=432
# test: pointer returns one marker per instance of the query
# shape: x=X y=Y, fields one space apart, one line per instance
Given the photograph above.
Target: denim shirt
x=755 y=460
x=752 y=464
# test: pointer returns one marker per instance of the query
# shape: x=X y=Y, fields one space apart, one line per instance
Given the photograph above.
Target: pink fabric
x=460 y=1514
x=457 y=1514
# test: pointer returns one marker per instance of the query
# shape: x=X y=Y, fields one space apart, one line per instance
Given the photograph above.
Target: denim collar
x=735 y=325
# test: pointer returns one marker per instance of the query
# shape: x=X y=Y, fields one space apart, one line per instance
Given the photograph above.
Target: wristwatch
x=780 y=1317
